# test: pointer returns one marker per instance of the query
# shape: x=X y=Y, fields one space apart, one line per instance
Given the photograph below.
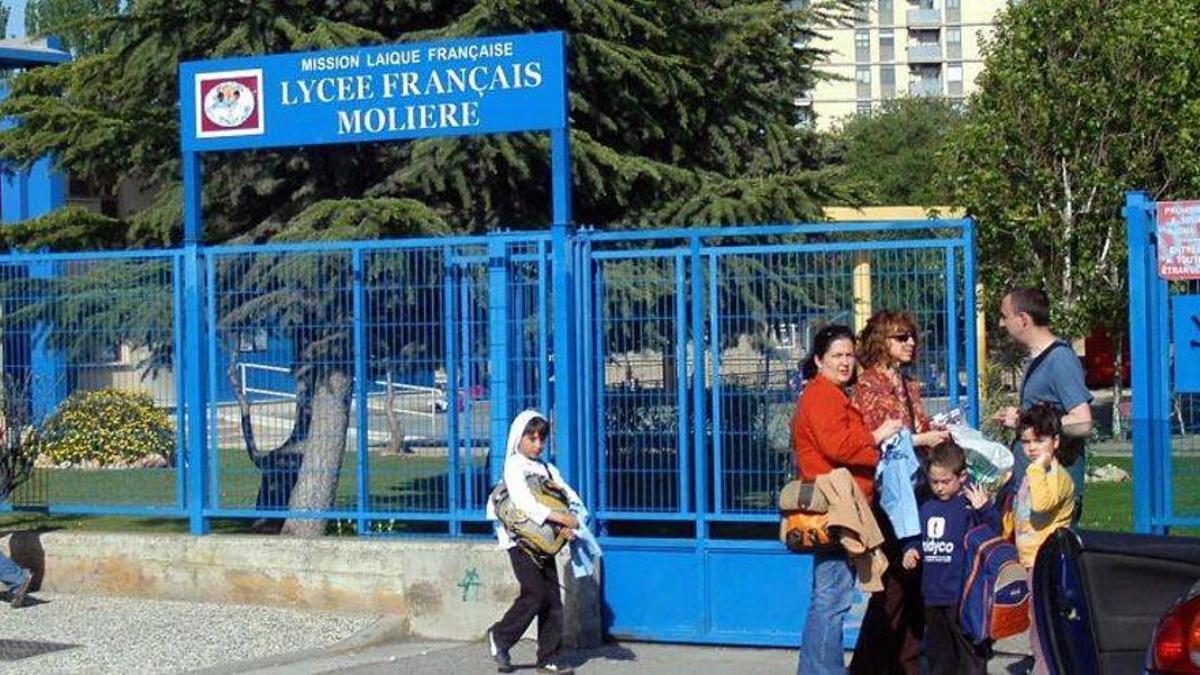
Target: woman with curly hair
x=890 y=638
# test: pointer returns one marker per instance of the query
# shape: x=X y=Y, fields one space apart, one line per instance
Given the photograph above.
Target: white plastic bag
x=989 y=463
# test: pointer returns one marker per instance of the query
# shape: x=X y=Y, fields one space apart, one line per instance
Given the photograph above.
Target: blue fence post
x=499 y=366
x=468 y=370
x=566 y=445
x=212 y=470
x=361 y=381
x=951 y=265
x=178 y=323
x=1141 y=347
x=681 y=383
x=699 y=445
x=451 y=326
x=195 y=354
x=970 y=315
x=589 y=406
x=1161 y=375
x=48 y=365
x=716 y=440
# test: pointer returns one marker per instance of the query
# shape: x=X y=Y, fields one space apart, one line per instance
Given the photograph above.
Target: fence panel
x=1180 y=489
x=1164 y=339
x=87 y=339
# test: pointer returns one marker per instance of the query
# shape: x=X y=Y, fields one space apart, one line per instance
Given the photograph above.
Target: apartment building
x=901 y=48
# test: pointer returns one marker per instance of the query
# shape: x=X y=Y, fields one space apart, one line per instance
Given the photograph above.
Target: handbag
x=804 y=519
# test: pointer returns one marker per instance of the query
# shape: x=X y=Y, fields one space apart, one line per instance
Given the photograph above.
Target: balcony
x=925 y=53
x=925 y=88
x=924 y=18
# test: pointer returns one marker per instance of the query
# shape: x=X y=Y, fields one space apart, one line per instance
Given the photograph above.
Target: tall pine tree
x=681 y=113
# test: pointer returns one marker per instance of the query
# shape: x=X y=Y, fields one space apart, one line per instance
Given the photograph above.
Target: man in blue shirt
x=1052 y=375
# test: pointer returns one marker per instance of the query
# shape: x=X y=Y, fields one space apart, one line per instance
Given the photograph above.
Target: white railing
x=429 y=400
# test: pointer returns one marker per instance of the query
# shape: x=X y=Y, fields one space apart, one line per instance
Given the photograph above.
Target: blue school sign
x=477 y=86
x=485 y=85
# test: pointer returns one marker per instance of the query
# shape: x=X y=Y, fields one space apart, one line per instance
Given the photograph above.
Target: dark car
x=1109 y=602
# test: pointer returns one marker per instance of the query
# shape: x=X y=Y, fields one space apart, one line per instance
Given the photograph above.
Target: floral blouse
x=880 y=398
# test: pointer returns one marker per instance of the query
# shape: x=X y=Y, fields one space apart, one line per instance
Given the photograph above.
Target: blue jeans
x=11 y=574
x=832 y=592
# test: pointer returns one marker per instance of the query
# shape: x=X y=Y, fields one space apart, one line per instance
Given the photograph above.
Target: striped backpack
x=995 y=595
x=539 y=541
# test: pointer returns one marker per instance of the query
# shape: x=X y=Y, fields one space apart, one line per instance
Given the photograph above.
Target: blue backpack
x=995 y=596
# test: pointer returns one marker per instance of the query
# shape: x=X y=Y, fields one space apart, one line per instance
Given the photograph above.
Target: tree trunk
x=395 y=442
x=323 y=450
x=1117 y=387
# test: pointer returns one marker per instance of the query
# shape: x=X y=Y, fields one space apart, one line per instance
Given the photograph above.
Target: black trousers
x=947 y=649
x=539 y=598
x=889 y=640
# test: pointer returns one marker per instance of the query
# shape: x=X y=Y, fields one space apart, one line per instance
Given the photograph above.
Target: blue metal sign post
x=495 y=84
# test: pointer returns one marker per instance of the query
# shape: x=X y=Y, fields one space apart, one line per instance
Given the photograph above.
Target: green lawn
x=396 y=483
x=418 y=483
x=1109 y=506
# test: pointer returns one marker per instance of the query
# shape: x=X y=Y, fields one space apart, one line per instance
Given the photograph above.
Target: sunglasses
x=904 y=337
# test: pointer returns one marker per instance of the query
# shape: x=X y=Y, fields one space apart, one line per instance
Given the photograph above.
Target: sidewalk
x=61 y=633
x=415 y=656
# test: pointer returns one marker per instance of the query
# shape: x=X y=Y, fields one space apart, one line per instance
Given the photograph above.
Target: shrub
x=106 y=427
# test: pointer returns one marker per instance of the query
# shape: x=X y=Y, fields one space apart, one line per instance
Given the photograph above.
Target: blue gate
x=691 y=341
x=1164 y=342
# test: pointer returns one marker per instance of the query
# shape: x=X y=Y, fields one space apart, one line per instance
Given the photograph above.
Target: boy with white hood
x=538 y=578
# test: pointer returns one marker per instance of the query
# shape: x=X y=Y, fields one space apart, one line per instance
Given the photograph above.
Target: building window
x=887 y=45
x=862 y=76
x=925 y=81
x=885 y=12
x=953 y=11
x=954 y=43
x=252 y=340
x=864 y=108
x=861 y=16
x=954 y=79
x=862 y=46
x=887 y=82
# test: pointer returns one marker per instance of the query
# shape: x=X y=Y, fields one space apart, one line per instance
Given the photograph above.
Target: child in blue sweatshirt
x=956 y=507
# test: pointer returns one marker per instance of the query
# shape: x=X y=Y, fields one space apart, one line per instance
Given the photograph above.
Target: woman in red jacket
x=827 y=433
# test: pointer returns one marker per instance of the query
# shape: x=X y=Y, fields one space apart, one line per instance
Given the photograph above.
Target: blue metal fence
x=1164 y=340
x=407 y=358
x=373 y=383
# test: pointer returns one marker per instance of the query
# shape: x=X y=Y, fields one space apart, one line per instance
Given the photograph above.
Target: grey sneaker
x=554 y=667
x=499 y=654
x=21 y=591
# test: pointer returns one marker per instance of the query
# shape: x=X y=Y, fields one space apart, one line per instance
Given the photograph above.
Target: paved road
x=623 y=659
x=88 y=634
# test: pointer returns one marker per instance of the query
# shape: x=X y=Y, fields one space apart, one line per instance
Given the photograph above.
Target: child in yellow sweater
x=1046 y=498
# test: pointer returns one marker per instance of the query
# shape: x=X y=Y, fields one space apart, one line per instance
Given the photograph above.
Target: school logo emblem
x=936 y=528
x=229 y=103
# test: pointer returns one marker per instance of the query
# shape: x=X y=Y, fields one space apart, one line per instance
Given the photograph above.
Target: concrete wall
x=441 y=589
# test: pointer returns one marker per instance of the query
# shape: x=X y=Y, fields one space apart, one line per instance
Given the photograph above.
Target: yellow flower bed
x=106 y=427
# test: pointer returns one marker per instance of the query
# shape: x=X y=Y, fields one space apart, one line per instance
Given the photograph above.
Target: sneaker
x=21 y=591
x=554 y=667
x=499 y=654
